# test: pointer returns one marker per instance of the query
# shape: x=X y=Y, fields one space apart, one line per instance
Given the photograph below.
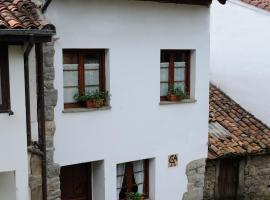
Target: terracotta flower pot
x=89 y=104
x=173 y=97
x=99 y=103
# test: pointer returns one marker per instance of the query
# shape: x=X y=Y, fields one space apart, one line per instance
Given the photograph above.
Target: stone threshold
x=79 y=110
x=185 y=101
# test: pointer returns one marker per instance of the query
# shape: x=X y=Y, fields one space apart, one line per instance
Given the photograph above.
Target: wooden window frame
x=171 y=69
x=130 y=173
x=81 y=71
x=5 y=87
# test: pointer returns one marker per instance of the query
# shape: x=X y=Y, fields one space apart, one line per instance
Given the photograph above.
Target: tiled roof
x=232 y=130
x=22 y=14
x=264 y=4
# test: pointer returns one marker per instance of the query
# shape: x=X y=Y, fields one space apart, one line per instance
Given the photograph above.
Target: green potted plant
x=87 y=99
x=134 y=196
x=100 y=98
x=175 y=94
x=94 y=99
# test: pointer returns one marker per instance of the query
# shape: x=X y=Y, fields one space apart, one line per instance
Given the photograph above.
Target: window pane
x=164 y=89
x=70 y=58
x=71 y=67
x=92 y=59
x=91 y=67
x=69 y=94
x=70 y=78
x=92 y=77
x=1 y=101
x=164 y=72
x=179 y=74
x=180 y=56
x=91 y=89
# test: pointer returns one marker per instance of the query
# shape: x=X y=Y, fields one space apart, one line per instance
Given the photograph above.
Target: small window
x=174 y=74
x=4 y=80
x=133 y=177
x=84 y=73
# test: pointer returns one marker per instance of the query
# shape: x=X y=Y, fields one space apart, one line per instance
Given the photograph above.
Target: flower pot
x=173 y=97
x=99 y=103
x=89 y=104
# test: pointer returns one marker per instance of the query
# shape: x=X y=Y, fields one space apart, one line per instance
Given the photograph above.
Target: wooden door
x=228 y=179
x=76 y=182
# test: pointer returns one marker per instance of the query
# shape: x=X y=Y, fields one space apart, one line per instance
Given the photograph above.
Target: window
x=4 y=80
x=84 y=72
x=174 y=72
x=133 y=177
x=76 y=182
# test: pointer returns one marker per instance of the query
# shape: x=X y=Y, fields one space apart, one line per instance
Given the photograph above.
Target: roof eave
x=22 y=35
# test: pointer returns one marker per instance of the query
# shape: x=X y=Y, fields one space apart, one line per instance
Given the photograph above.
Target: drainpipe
x=45 y=6
x=27 y=90
x=41 y=115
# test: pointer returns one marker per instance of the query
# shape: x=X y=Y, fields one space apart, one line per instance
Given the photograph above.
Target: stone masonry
x=50 y=98
x=210 y=180
x=195 y=175
x=254 y=178
x=53 y=170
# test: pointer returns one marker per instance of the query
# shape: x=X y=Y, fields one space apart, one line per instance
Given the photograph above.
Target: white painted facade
x=13 y=146
x=136 y=127
x=240 y=63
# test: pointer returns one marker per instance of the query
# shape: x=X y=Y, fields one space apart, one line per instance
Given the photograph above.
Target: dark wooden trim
x=102 y=76
x=187 y=71
x=23 y=38
x=27 y=92
x=216 y=180
x=191 y=2
x=81 y=77
x=90 y=184
x=72 y=105
x=41 y=114
x=171 y=69
x=5 y=86
x=146 y=179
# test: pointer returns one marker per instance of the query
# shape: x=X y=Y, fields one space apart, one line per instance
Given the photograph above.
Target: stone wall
x=50 y=98
x=195 y=175
x=256 y=182
x=254 y=178
x=210 y=180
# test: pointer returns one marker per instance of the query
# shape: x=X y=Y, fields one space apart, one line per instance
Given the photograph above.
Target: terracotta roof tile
x=263 y=4
x=232 y=130
x=22 y=14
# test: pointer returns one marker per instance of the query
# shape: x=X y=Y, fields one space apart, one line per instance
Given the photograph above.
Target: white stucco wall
x=13 y=147
x=136 y=127
x=240 y=63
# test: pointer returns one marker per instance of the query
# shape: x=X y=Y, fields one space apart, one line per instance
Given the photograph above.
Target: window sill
x=185 y=101
x=80 y=110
